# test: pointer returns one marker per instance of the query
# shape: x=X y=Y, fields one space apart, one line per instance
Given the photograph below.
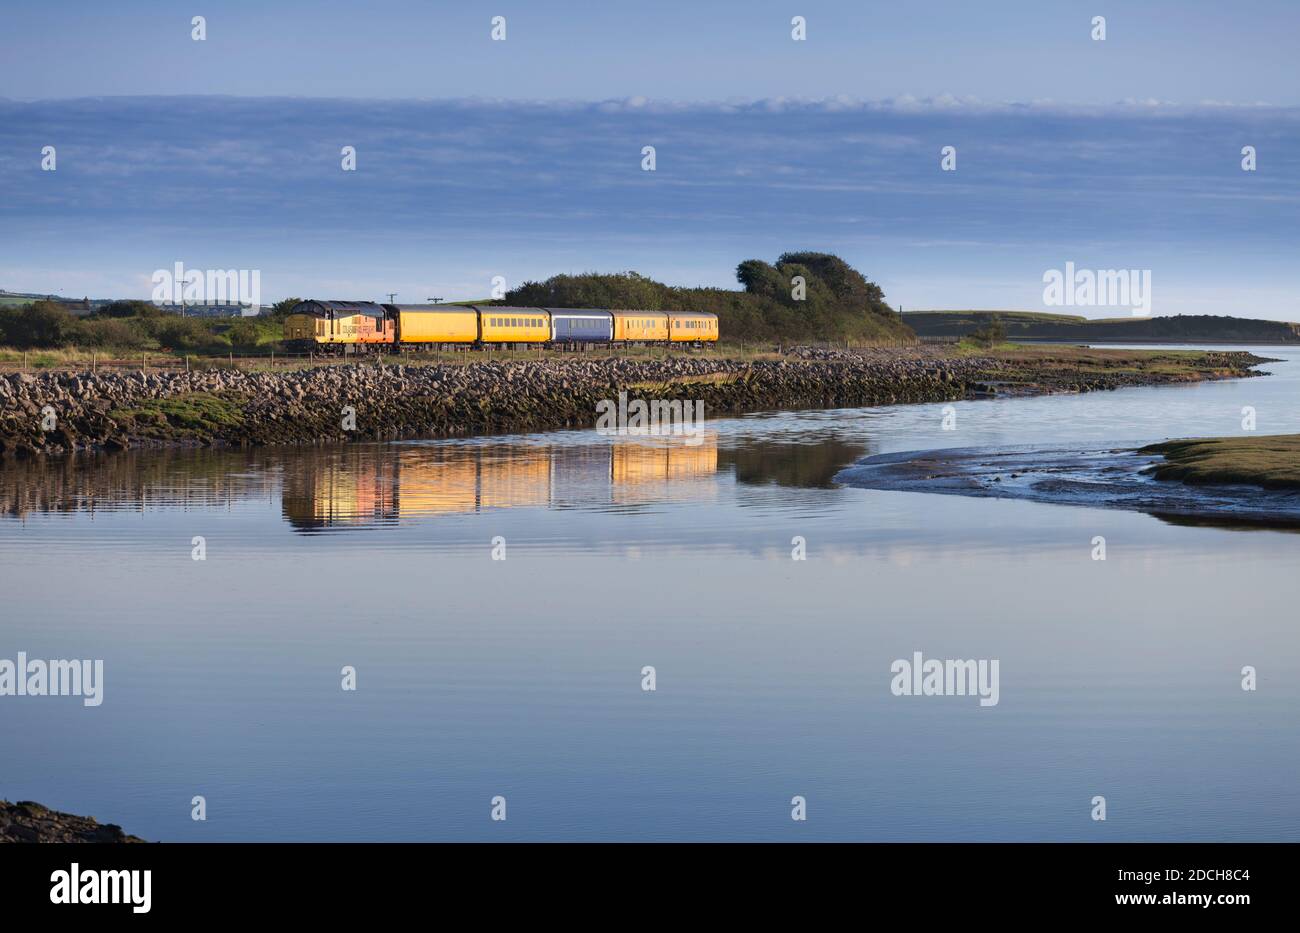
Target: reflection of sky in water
x=521 y=677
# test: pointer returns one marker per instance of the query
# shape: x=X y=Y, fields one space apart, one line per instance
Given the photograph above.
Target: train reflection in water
x=379 y=484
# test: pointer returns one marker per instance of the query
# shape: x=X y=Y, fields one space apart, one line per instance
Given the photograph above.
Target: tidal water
x=522 y=677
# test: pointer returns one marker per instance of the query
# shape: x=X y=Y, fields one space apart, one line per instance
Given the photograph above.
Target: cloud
x=535 y=187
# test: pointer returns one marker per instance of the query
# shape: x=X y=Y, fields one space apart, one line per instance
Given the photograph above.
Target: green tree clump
x=991 y=334
x=803 y=296
x=43 y=324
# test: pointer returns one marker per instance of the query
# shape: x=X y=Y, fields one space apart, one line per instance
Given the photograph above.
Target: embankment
x=60 y=413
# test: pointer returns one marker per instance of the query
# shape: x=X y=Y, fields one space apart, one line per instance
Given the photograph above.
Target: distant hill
x=1039 y=325
x=18 y=299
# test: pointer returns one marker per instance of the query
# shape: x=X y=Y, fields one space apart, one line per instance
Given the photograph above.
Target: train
x=363 y=326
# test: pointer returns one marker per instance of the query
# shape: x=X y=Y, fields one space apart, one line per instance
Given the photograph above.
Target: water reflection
x=798 y=465
x=135 y=480
x=368 y=485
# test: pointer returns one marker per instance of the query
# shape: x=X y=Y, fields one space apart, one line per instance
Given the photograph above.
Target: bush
x=179 y=333
x=111 y=332
x=991 y=334
x=130 y=308
x=40 y=324
x=243 y=334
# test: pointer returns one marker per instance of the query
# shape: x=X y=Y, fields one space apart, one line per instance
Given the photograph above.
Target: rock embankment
x=59 y=413
x=25 y=821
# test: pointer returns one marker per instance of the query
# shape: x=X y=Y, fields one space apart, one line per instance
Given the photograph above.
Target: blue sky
x=523 y=158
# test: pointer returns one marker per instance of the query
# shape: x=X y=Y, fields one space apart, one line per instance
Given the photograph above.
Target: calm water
x=522 y=677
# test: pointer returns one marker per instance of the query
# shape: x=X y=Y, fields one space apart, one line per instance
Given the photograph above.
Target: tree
x=39 y=324
x=991 y=334
x=284 y=308
x=837 y=301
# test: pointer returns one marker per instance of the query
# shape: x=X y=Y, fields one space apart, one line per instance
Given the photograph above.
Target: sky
x=524 y=158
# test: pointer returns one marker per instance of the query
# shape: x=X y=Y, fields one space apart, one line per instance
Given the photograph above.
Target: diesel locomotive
x=360 y=326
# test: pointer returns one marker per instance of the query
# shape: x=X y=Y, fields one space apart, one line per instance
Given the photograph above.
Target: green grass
x=968 y=346
x=1271 y=461
x=193 y=414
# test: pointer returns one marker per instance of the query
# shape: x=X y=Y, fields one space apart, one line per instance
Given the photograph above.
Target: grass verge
x=1271 y=461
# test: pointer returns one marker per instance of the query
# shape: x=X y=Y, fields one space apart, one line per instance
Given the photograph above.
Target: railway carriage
x=692 y=326
x=426 y=327
x=579 y=326
x=641 y=326
x=513 y=325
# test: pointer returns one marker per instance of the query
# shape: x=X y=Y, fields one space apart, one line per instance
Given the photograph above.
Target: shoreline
x=57 y=414
x=1227 y=482
x=28 y=822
